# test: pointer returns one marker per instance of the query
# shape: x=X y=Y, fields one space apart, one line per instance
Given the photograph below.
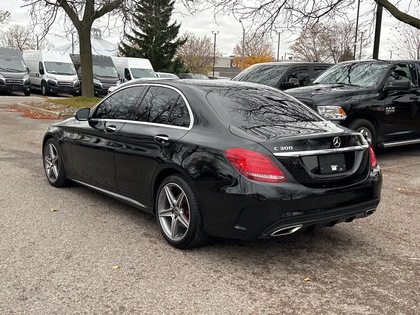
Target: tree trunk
x=86 y=62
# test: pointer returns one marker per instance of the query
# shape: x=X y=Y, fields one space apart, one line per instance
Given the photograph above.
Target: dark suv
x=282 y=75
x=379 y=98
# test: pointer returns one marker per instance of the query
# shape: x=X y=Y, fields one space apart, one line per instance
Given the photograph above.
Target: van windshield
x=142 y=73
x=105 y=71
x=366 y=74
x=12 y=65
x=62 y=68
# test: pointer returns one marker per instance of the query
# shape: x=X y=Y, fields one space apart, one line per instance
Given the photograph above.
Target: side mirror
x=398 y=85
x=41 y=71
x=82 y=114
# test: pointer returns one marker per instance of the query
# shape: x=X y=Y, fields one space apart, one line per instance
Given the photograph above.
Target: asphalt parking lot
x=75 y=251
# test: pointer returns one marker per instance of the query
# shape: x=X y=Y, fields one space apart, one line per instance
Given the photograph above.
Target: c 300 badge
x=284 y=148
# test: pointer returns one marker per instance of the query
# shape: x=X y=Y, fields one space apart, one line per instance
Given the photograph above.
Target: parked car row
x=379 y=98
x=55 y=72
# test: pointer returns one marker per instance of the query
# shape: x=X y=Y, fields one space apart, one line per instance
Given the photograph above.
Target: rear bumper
x=322 y=218
x=278 y=210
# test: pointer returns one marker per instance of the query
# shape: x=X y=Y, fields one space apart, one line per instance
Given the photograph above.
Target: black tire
x=53 y=164
x=27 y=93
x=44 y=91
x=178 y=214
x=366 y=128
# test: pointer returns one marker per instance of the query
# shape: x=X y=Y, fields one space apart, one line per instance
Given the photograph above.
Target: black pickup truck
x=379 y=98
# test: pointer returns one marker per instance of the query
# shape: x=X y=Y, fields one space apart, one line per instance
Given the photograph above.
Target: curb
x=45 y=111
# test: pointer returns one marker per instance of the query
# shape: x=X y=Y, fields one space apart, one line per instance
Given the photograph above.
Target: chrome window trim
x=319 y=152
x=190 y=113
x=141 y=123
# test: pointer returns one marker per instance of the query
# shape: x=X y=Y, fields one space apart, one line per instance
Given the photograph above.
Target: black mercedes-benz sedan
x=216 y=158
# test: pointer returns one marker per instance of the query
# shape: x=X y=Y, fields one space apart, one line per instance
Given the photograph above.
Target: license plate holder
x=332 y=163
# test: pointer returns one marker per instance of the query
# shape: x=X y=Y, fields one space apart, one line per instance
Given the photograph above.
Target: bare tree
x=408 y=42
x=197 y=52
x=310 y=45
x=17 y=36
x=325 y=42
x=257 y=48
x=270 y=14
x=4 y=16
x=82 y=15
x=339 y=39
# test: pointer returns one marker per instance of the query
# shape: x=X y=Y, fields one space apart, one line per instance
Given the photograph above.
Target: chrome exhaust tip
x=287 y=230
x=370 y=212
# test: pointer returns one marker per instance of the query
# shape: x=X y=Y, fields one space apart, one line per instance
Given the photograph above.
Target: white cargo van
x=13 y=71
x=105 y=74
x=133 y=68
x=51 y=72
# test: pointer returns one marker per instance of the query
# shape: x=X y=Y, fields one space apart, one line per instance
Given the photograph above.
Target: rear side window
x=120 y=105
x=163 y=105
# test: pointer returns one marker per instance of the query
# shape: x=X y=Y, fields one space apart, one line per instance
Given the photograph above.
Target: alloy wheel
x=51 y=162
x=173 y=210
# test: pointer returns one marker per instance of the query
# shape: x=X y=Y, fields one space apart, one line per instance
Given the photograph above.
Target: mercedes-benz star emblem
x=337 y=142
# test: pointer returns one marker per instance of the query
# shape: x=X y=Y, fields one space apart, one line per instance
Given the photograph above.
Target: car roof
x=193 y=83
x=291 y=62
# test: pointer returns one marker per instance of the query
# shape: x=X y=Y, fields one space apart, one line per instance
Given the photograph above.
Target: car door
x=402 y=105
x=95 y=140
x=149 y=140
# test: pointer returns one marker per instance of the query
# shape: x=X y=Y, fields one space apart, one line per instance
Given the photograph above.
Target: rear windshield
x=247 y=106
x=365 y=74
x=264 y=74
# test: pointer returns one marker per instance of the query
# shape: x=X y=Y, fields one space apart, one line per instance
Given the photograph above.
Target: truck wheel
x=27 y=93
x=366 y=128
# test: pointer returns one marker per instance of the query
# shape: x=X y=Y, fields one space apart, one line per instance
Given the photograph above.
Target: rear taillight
x=255 y=165
x=372 y=158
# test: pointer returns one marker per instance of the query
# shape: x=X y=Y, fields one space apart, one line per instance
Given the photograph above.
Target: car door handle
x=110 y=129
x=414 y=98
x=162 y=139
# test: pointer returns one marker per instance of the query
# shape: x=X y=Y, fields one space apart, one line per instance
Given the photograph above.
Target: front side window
x=120 y=105
x=299 y=76
x=402 y=72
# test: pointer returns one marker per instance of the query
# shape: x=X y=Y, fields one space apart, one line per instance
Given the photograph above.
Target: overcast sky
x=229 y=29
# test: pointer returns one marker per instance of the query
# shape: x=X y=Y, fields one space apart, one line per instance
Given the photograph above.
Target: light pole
x=357 y=26
x=243 y=47
x=214 y=49
x=278 y=45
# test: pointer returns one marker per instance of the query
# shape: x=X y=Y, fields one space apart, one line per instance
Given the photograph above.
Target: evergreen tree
x=153 y=37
